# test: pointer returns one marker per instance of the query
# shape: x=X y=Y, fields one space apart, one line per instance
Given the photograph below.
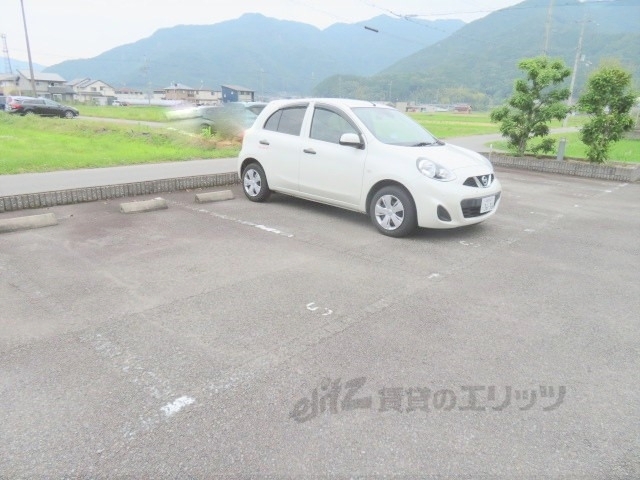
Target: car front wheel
x=393 y=211
x=68 y=114
x=254 y=183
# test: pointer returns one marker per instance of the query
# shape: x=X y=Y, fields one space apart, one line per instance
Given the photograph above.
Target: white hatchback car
x=369 y=158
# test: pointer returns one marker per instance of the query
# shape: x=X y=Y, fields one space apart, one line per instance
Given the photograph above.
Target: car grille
x=471 y=207
x=481 y=181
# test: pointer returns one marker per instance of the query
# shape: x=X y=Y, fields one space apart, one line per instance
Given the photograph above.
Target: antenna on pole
x=5 y=51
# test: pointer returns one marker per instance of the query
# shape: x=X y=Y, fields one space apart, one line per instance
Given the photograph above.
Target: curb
x=567 y=167
x=91 y=194
x=25 y=201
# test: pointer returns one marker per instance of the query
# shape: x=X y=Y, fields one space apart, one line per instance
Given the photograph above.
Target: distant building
x=133 y=95
x=97 y=92
x=186 y=94
x=234 y=93
x=462 y=108
x=178 y=91
x=20 y=83
x=8 y=84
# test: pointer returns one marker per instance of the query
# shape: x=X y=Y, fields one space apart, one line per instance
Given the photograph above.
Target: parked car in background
x=369 y=158
x=230 y=119
x=21 y=105
x=3 y=101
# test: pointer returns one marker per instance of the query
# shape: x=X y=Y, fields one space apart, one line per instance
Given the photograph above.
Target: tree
x=534 y=103
x=608 y=100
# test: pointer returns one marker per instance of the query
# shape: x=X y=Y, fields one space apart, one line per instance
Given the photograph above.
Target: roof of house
x=77 y=81
x=85 y=82
x=66 y=89
x=128 y=90
x=237 y=88
x=178 y=86
x=41 y=77
x=7 y=76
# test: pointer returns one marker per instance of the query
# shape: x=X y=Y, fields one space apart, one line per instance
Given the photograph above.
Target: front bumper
x=455 y=204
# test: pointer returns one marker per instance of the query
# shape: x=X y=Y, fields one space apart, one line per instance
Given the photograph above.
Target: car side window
x=287 y=120
x=328 y=125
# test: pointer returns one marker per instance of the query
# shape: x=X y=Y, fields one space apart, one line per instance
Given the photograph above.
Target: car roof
x=338 y=102
x=21 y=97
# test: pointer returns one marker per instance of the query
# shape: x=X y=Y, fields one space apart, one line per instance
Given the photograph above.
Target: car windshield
x=394 y=128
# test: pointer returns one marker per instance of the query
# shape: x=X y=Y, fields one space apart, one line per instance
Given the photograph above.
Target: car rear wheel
x=393 y=211
x=68 y=114
x=254 y=183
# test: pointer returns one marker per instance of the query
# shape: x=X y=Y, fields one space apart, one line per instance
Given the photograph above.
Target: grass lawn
x=626 y=151
x=445 y=124
x=36 y=144
x=448 y=124
x=143 y=113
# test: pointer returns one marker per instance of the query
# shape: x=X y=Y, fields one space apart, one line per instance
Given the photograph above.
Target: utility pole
x=145 y=72
x=7 y=58
x=575 y=68
x=26 y=36
x=548 y=28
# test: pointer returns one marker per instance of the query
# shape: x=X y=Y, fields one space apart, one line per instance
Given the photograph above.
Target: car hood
x=452 y=156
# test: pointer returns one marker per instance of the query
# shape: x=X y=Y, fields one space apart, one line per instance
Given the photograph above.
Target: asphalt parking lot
x=291 y=339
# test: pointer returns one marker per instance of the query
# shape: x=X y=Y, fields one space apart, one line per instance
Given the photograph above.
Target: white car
x=369 y=158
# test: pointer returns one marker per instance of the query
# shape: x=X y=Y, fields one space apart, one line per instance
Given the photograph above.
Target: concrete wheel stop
x=214 y=196
x=144 y=205
x=27 y=222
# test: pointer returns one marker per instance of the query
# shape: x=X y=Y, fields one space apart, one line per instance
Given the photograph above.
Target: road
x=289 y=339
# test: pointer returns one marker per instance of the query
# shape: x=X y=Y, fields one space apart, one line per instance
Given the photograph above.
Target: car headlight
x=433 y=170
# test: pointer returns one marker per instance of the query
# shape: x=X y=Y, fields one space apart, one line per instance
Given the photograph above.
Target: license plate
x=487 y=204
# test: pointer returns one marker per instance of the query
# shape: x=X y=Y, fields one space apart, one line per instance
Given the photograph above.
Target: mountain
x=270 y=56
x=22 y=65
x=481 y=58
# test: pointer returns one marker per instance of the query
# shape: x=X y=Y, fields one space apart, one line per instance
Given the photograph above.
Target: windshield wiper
x=428 y=144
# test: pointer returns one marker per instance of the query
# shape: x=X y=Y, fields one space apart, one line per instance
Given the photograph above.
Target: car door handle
x=264 y=142
x=309 y=150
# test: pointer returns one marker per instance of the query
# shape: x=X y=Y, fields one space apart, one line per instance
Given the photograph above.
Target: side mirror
x=351 y=139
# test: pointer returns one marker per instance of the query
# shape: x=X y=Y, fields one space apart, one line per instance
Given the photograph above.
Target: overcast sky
x=62 y=30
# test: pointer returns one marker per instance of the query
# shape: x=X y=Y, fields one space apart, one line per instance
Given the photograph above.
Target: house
x=462 y=108
x=131 y=95
x=208 y=97
x=8 y=84
x=234 y=93
x=62 y=93
x=184 y=93
x=97 y=92
x=43 y=83
x=178 y=91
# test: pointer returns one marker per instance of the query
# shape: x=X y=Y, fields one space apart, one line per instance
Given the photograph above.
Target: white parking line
x=232 y=219
x=177 y=405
